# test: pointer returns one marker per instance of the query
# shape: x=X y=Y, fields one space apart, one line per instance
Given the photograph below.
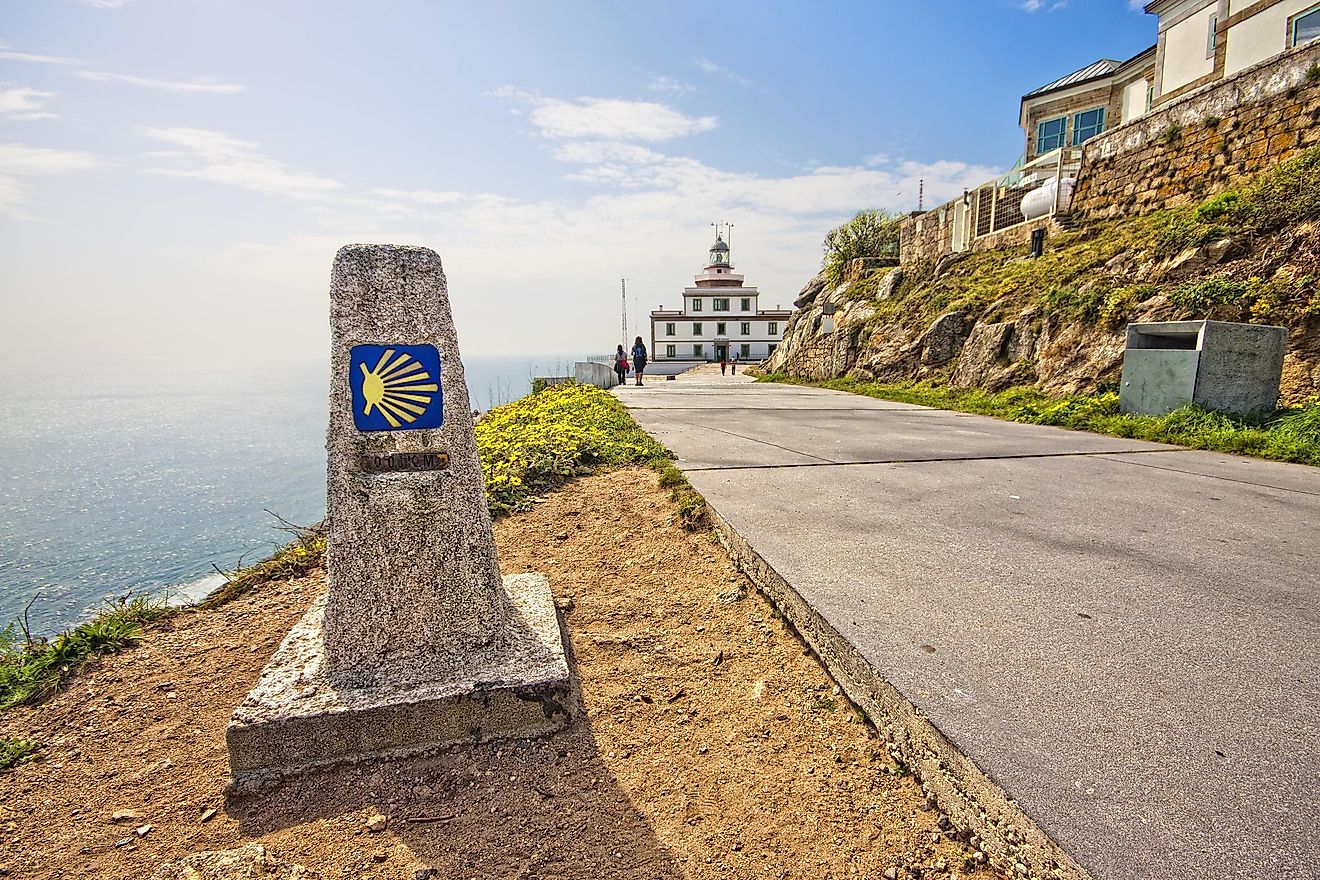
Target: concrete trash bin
x=1220 y=365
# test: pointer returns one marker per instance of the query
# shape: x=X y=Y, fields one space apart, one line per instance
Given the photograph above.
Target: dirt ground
x=710 y=743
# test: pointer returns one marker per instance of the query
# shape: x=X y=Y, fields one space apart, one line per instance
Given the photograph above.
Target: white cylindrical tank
x=1040 y=201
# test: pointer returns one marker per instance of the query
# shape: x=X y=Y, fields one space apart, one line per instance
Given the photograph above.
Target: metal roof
x=719 y=245
x=1095 y=70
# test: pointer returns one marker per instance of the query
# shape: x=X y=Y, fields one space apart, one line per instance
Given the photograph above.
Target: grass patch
x=295 y=559
x=32 y=668
x=1290 y=434
x=542 y=441
x=16 y=751
x=1283 y=196
x=1085 y=274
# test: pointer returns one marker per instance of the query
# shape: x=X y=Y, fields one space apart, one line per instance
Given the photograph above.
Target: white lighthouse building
x=720 y=318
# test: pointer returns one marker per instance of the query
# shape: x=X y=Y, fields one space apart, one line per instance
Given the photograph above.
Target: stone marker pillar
x=418 y=641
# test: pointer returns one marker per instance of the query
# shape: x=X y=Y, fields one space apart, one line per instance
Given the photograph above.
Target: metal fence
x=997 y=205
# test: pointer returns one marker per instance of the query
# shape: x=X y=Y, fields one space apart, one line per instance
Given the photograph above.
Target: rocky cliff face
x=883 y=329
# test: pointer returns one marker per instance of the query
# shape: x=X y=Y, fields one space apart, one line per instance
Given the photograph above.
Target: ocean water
x=145 y=476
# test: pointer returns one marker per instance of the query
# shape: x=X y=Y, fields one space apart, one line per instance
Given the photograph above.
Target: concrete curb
x=973 y=802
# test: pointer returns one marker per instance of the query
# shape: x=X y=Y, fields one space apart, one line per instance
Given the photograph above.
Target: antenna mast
x=921 y=194
x=623 y=298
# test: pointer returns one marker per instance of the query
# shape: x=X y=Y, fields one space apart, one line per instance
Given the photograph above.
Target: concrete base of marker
x=296 y=719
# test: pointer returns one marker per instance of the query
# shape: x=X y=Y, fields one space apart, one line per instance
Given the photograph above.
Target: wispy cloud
x=19 y=160
x=1031 y=5
x=420 y=196
x=23 y=103
x=668 y=85
x=193 y=86
x=220 y=158
x=711 y=67
x=105 y=4
x=607 y=118
x=9 y=54
x=1137 y=5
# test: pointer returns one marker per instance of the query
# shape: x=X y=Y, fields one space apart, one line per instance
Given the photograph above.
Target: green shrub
x=1202 y=295
x=1216 y=206
x=867 y=234
x=16 y=751
x=1285 y=195
x=1182 y=230
x=1084 y=304
x=541 y=441
x=1118 y=305
x=31 y=668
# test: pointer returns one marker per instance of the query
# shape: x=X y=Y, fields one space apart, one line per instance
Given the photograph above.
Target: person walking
x=638 y=359
x=621 y=364
x=735 y=363
x=722 y=363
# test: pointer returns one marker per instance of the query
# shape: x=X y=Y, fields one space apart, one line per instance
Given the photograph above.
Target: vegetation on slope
x=1290 y=434
x=31 y=668
x=16 y=751
x=527 y=447
x=1093 y=274
x=869 y=234
x=543 y=440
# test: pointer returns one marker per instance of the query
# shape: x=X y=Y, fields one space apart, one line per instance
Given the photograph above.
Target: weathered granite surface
x=418 y=641
x=414 y=579
x=299 y=716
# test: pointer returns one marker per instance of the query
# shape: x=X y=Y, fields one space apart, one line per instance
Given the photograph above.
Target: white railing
x=998 y=204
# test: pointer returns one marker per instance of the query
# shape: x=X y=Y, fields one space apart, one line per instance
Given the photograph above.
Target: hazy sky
x=175 y=176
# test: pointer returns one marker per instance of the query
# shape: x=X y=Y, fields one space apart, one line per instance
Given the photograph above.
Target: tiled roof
x=1096 y=70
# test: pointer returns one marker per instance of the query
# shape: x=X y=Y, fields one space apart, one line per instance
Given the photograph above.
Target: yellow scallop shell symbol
x=401 y=389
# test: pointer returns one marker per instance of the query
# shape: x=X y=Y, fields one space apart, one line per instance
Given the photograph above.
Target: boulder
x=944 y=263
x=810 y=292
x=1224 y=250
x=945 y=336
x=894 y=362
x=889 y=285
x=1026 y=336
x=985 y=352
x=1196 y=259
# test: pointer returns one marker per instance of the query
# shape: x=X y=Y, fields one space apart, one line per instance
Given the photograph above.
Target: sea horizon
x=144 y=474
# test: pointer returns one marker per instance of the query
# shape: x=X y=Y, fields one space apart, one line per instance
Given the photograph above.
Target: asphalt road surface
x=1122 y=635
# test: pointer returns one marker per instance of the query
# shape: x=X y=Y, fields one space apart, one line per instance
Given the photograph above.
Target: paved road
x=1125 y=634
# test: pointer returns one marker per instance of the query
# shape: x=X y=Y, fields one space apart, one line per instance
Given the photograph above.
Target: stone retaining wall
x=1196 y=145
x=929 y=236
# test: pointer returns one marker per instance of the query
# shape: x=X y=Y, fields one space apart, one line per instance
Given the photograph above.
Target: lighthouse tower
x=721 y=319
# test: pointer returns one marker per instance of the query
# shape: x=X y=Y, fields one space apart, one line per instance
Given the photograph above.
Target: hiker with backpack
x=638 y=359
x=621 y=365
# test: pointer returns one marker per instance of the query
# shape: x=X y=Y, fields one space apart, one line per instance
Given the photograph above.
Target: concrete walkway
x=1121 y=635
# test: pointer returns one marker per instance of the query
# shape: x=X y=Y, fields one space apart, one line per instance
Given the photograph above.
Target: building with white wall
x=1068 y=112
x=1201 y=41
x=721 y=318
